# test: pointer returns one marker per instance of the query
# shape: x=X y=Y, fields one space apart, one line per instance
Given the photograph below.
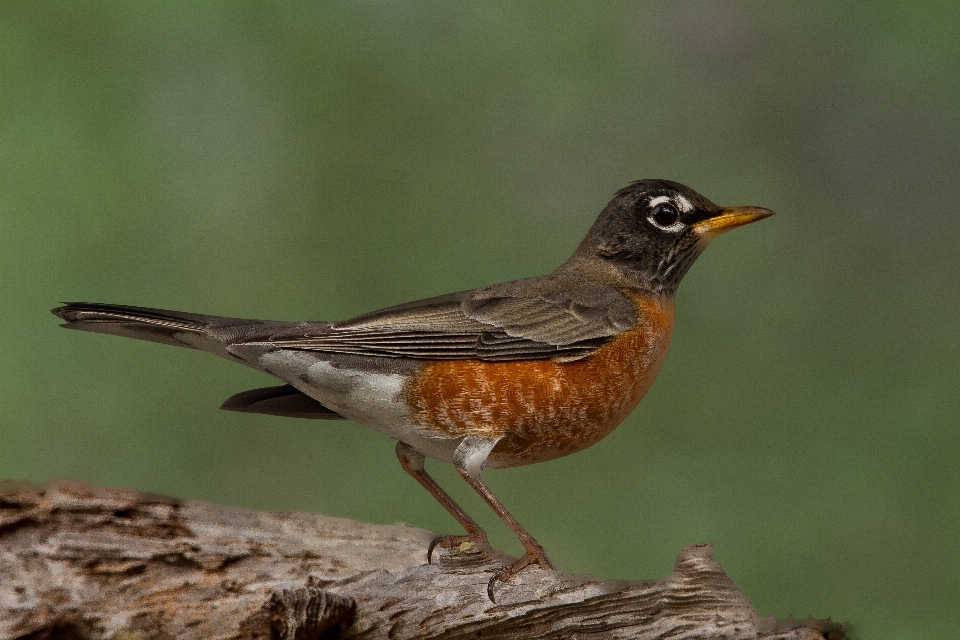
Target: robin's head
x=652 y=232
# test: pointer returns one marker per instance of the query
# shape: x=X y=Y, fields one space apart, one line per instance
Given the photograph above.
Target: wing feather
x=557 y=316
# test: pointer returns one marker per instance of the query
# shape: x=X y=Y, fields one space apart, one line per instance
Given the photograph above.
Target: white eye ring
x=663 y=204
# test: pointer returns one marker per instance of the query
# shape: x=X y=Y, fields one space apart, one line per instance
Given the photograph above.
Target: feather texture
x=557 y=316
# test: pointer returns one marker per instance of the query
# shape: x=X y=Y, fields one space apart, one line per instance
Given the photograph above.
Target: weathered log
x=79 y=563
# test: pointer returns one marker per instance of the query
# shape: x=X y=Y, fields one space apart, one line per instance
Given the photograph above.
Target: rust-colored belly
x=544 y=409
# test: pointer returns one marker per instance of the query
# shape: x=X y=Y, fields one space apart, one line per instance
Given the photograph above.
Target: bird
x=503 y=375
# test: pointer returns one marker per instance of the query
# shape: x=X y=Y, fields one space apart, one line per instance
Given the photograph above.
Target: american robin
x=501 y=376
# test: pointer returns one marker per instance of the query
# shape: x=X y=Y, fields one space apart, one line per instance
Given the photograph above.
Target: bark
x=79 y=563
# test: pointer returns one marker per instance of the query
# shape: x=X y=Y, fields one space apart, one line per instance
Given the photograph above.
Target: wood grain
x=80 y=563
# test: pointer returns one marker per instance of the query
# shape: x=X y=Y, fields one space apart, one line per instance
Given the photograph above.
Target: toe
x=511 y=570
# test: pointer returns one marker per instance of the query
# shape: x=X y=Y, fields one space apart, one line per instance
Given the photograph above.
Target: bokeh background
x=316 y=161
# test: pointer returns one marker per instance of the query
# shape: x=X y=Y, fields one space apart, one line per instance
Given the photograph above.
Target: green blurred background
x=316 y=161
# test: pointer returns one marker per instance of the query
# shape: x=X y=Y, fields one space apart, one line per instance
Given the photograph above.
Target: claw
x=504 y=574
x=490 y=584
x=432 y=546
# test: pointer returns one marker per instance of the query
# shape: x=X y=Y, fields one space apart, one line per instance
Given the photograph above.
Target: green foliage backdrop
x=317 y=160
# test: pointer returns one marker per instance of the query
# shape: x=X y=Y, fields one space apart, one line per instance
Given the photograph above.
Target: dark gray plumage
x=546 y=317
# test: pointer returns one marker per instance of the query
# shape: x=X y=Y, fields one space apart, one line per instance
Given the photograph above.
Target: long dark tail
x=197 y=331
x=155 y=325
x=191 y=330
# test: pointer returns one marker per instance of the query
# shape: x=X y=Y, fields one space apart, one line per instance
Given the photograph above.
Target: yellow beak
x=730 y=218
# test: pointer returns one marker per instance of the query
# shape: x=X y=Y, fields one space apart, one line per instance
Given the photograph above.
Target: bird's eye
x=665 y=215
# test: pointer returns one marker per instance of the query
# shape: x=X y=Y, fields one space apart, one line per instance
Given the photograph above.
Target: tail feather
x=155 y=325
x=191 y=330
x=77 y=312
x=213 y=334
x=280 y=401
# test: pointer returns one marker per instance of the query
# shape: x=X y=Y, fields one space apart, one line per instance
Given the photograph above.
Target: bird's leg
x=412 y=462
x=469 y=459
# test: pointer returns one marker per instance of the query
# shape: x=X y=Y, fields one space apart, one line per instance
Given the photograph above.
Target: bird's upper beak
x=730 y=218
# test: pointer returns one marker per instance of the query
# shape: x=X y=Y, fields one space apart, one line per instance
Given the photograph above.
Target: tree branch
x=79 y=563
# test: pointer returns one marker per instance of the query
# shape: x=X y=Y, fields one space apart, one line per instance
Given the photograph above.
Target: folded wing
x=555 y=316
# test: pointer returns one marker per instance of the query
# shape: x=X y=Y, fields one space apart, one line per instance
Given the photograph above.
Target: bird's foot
x=469 y=547
x=535 y=556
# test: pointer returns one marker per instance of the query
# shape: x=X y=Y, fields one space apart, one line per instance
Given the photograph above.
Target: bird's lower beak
x=730 y=218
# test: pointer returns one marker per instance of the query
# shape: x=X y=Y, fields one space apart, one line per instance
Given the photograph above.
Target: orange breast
x=544 y=409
